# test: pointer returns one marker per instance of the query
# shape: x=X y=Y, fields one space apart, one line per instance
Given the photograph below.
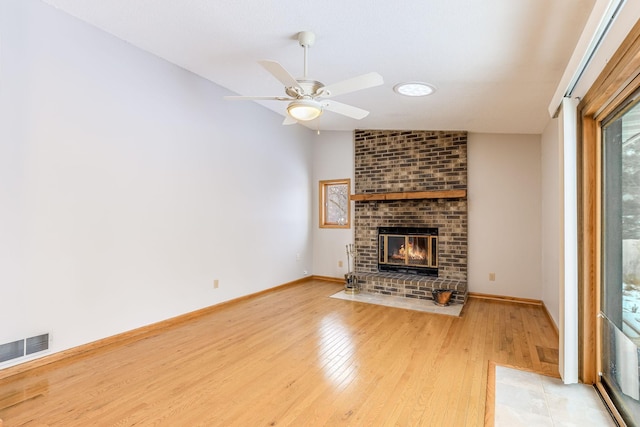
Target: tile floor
x=528 y=399
x=427 y=306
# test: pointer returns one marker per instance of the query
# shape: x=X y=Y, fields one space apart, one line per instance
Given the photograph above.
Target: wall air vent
x=11 y=350
x=36 y=344
x=23 y=347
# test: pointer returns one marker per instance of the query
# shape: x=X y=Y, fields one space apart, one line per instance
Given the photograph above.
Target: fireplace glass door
x=408 y=253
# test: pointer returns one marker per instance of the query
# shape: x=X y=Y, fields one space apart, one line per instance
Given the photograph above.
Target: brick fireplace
x=411 y=179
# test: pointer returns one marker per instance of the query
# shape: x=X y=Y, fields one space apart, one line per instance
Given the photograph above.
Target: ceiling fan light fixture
x=414 y=89
x=304 y=109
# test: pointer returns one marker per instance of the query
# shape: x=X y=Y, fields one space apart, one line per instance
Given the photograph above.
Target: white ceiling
x=496 y=63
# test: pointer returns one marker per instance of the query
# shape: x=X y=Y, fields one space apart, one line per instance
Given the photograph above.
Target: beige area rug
x=523 y=398
x=426 y=306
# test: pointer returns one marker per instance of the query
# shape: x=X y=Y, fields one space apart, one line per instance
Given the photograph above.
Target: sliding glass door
x=620 y=289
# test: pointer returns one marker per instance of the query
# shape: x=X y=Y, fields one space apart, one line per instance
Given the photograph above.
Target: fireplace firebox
x=411 y=250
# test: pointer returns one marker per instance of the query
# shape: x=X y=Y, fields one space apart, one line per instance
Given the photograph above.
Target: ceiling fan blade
x=351 y=85
x=345 y=110
x=257 y=98
x=280 y=73
x=289 y=121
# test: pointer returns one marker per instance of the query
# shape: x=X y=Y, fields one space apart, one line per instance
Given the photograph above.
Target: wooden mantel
x=411 y=195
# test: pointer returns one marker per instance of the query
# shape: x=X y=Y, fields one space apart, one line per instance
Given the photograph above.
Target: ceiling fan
x=309 y=98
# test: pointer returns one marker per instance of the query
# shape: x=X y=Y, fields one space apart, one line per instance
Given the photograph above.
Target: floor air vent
x=23 y=347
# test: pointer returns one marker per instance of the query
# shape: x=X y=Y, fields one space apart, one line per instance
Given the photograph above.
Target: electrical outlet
x=340 y=264
x=215 y=284
x=305 y=272
x=492 y=277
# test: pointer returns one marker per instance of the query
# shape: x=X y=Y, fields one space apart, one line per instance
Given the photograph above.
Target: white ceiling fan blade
x=257 y=98
x=280 y=73
x=289 y=121
x=345 y=110
x=364 y=81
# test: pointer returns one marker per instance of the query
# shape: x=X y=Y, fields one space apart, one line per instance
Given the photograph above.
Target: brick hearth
x=408 y=161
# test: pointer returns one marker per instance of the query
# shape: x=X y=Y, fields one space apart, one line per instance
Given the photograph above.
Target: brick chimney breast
x=390 y=161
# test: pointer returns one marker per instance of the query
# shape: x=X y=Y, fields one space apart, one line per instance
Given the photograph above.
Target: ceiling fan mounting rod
x=306 y=39
x=305 y=62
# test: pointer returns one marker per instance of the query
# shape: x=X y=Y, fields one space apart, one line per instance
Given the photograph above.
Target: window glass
x=334 y=203
x=620 y=293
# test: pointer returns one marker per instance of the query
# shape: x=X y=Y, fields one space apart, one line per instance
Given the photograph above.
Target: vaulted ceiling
x=495 y=63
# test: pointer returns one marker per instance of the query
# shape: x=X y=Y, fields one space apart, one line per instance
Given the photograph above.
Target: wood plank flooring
x=292 y=356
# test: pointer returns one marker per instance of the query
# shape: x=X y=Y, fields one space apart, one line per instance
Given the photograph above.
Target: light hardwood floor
x=291 y=356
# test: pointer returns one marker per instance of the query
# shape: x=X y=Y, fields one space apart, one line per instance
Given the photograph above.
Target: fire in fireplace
x=412 y=250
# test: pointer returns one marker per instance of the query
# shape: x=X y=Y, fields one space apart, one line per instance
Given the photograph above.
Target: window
x=609 y=214
x=335 y=211
x=620 y=291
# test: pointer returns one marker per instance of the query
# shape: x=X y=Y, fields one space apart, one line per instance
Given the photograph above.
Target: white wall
x=504 y=196
x=333 y=158
x=551 y=217
x=128 y=185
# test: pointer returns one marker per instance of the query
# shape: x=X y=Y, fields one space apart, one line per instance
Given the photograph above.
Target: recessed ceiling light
x=414 y=89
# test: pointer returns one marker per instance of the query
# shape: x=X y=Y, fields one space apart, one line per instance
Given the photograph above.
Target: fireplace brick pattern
x=403 y=161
